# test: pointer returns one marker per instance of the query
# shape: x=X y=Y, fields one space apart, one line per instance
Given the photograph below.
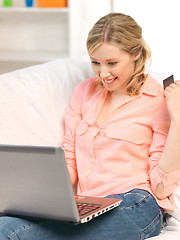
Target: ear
x=136 y=56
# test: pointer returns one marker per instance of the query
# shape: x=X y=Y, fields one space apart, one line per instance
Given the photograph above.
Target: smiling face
x=113 y=65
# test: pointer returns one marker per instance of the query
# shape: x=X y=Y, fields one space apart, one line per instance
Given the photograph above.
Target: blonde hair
x=123 y=31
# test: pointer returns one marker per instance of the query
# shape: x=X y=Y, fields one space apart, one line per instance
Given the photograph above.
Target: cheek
x=125 y=68
x=123 y=72
x=118 y=71
x=95 y=69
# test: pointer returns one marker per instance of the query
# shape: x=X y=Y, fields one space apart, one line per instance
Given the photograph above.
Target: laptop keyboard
x=85 y=208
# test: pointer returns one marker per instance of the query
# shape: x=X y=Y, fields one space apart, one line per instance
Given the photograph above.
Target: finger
x=177 y=82
x=170 y=87
x=174 y=85
x=167 y=90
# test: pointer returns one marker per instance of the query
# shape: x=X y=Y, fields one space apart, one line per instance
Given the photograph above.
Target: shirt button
x=164 y=180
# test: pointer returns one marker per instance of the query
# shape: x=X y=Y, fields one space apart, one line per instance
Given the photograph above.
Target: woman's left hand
x=172 y=94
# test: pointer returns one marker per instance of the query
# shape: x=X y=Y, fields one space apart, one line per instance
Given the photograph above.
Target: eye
x=112 y=63
x=95 y=63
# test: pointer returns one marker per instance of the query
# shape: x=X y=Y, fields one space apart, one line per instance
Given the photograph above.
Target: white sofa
x=32 y=104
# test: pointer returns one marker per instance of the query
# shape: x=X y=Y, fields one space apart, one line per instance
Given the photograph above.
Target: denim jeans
x=138 y=217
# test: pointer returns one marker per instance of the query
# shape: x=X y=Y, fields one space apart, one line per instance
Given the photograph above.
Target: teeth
x=110 y=80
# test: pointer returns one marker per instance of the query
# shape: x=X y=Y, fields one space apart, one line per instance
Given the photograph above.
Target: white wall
x=160 y=21
x=84 y=14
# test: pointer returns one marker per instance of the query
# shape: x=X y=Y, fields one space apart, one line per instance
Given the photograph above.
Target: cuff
x=170 y=180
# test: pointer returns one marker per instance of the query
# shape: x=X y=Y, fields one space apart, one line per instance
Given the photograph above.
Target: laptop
x=34 y=182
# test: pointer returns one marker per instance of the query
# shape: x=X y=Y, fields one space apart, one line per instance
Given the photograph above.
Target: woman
x=116 y=127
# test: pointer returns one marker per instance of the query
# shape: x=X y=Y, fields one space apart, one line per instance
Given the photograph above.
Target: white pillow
x=33 y=100
x=176 y=199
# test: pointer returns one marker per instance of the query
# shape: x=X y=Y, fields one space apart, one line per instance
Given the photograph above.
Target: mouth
x=110 y=80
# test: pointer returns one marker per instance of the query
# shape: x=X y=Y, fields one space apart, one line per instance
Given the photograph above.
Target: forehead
x=108 y=51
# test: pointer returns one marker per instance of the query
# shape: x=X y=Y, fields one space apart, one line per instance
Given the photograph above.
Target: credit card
x=168 y=81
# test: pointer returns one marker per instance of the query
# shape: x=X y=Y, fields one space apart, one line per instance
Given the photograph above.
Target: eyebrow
x=107 y=60
x=112 y=59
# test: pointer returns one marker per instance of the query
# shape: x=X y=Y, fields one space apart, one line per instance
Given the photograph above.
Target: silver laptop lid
x=35 y=181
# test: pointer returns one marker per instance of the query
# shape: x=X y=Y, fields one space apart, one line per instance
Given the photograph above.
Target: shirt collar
x=150 y=86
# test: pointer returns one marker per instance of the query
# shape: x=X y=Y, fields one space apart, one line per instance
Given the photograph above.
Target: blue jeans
x=138 y=217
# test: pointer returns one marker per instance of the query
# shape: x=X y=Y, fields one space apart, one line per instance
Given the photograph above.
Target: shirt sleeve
x=160 y=130
x=72 y=118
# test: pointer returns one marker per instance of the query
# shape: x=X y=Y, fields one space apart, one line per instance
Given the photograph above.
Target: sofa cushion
x=33 y=100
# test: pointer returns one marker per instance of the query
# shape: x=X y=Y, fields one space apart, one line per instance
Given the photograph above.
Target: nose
x=104 y=72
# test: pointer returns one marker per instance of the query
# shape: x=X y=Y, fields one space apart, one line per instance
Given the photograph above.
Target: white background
x=160 y=20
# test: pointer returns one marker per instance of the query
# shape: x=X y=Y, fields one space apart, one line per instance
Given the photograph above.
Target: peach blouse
x=123 y=152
